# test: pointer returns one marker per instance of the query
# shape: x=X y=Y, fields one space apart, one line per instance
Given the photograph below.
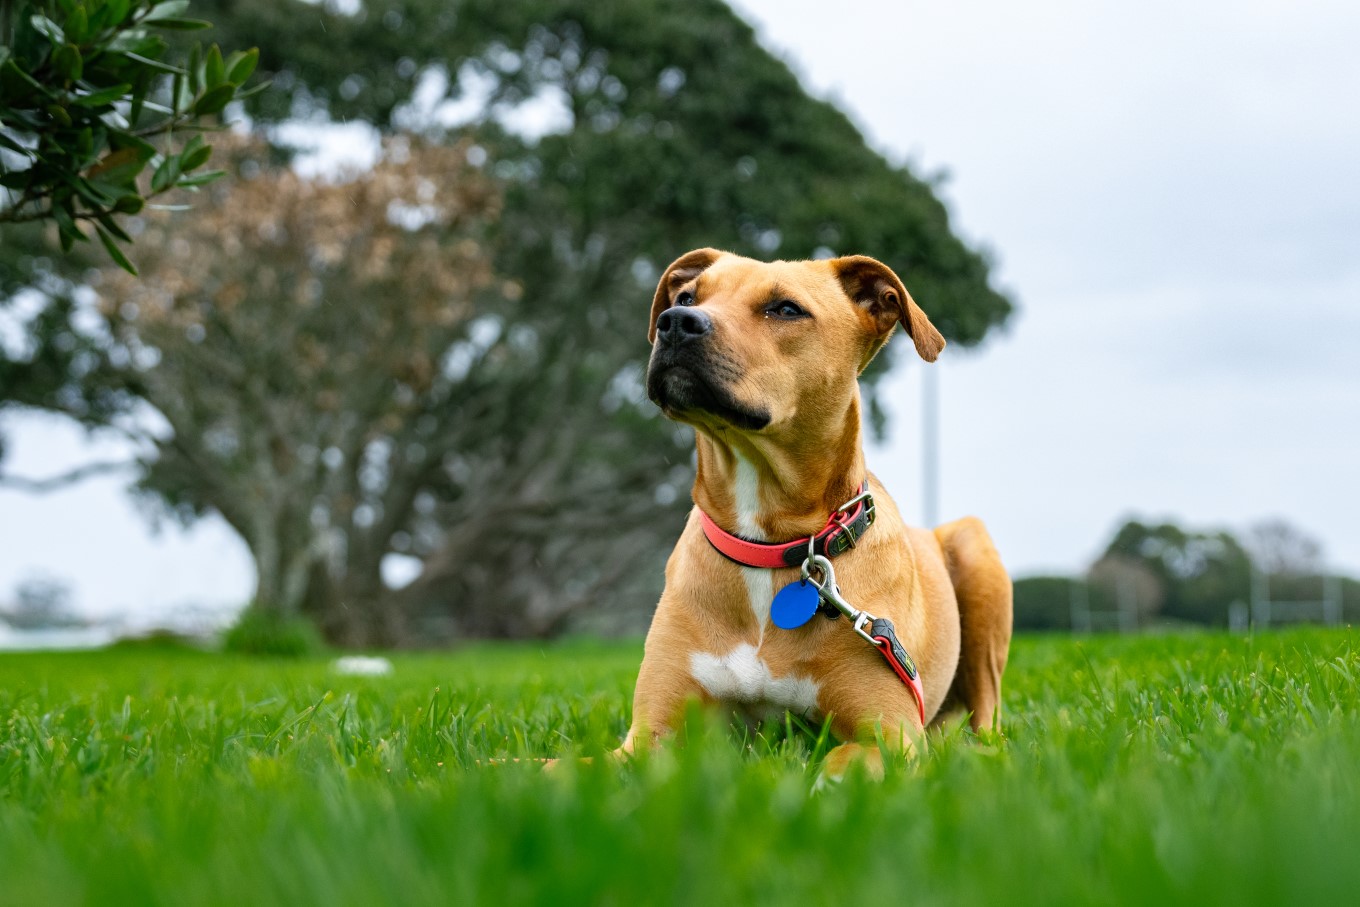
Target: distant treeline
x=1153 y=574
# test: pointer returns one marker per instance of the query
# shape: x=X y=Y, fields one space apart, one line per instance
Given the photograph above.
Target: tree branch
x=52 y=483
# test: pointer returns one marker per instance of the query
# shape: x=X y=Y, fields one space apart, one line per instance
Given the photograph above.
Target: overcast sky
x=1172 y=194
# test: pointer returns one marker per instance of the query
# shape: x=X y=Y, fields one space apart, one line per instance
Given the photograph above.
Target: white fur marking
x=747 y=494
x=759 y=582
x=741 y=676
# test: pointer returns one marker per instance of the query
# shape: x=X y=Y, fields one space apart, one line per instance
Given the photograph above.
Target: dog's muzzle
x=687 y=374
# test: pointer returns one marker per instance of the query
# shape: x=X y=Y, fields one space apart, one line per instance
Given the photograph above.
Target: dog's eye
x=785 y=308
x=685 y=298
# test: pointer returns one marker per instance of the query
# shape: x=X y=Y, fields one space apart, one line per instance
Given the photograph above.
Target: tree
x=1121 y=583
x=83 y=96
x=312 y=398
x=1278 y=547
x=1201 y=572
x=41 y=603
x=670 y=128
x=1043 y=603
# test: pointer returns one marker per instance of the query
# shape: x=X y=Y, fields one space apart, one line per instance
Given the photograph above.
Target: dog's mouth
x=685 y=388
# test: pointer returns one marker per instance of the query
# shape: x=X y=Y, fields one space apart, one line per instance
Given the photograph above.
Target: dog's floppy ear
x=682 y=271
x=874 y=287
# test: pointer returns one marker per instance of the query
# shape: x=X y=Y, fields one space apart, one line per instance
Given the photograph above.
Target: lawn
x=1186 y=769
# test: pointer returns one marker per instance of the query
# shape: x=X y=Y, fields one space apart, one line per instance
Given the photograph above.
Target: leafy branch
x=86 y=97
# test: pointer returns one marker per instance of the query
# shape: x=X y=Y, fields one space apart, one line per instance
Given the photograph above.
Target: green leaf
x=153 y=64
x=129 y=204
x=48 y=29
x=241 y=64
x=112 y=226
x=215 y=99
x=214 y=70
x=10 y=70
x=182 y=24
x=116 y=10
x=68 y=63
x=252 y=90
x=58 y=113
x=91 y=193
x=194 y=143
x=103 y=96
x=195 y=158
x=77 y=26
x=166 y=175
x=139 y=95
x=200 y=179
x=137 y=41
x=64 y=214
x=114 y=252
x=99 y=19
x=15 y=179
x=145 y=151
x=195 y=70
x=179 y=92
x=120 y=166
x=170 y=9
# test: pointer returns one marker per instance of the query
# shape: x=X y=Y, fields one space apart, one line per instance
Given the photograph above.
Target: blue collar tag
x=794 y=605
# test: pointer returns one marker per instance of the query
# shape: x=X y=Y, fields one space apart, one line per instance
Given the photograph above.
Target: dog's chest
x=741 y=677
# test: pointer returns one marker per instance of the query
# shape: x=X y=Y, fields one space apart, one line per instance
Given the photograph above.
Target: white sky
x=1172 y=191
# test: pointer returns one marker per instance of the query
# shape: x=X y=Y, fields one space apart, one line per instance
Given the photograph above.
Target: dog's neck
x=779 y=486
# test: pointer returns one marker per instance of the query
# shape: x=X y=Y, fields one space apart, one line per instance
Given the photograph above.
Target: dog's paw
x=826 y=781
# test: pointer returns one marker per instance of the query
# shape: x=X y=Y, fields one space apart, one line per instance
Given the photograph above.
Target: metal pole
x=930 y=444
x=1331 y=599
x=1260 y=598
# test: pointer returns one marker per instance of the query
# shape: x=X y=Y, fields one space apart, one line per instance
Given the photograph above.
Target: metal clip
x=831 y=593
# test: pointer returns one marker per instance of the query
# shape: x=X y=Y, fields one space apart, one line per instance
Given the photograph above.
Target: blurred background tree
x=1154 y=574
x=611 y=137
x=1200 y=573
x=311 y=397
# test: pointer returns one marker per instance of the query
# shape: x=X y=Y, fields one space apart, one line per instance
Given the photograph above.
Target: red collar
x=843 y=529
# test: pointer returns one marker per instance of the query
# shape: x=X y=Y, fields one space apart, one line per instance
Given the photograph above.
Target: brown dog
x=762 y=359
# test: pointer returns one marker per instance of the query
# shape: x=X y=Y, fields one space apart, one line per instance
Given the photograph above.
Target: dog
x=762 y=360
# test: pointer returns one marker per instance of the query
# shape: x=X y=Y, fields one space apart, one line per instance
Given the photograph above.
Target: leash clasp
x=831 y=594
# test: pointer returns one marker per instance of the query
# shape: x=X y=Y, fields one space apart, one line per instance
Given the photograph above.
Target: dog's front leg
x=664 y=685
x=894 y=727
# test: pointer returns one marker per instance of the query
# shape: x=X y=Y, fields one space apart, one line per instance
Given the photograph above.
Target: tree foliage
x=89 y=105
x=311 y=397
x=611 y=137
x=1200 y=573
x=1043 y=603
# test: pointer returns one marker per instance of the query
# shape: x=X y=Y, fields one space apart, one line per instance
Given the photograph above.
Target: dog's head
x=749 y=345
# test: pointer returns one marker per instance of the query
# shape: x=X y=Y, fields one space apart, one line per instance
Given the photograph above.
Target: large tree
x=659 y=126
x=312 y=397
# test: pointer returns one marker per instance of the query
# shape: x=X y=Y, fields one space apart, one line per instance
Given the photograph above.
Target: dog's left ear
x=874 y=287
x=682 y=271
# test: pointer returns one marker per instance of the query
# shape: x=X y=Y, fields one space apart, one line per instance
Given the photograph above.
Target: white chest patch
x=741 y=676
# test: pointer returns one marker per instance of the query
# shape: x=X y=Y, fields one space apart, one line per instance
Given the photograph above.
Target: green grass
x=1191 y=769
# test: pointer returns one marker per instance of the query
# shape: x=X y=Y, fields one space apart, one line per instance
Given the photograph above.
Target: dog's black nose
x=680 y=324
